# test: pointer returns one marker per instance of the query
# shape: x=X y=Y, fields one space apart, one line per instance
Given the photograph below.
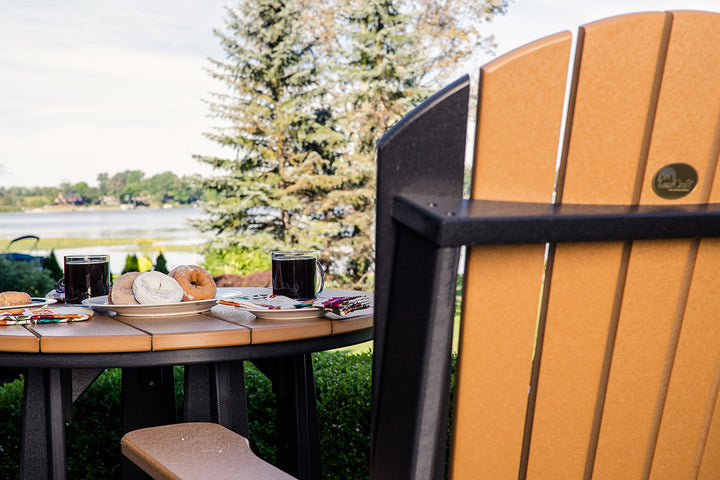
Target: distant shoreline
x=110 y=231
x=93 y=208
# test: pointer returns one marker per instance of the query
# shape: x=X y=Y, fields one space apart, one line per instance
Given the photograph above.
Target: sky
x=104 y=86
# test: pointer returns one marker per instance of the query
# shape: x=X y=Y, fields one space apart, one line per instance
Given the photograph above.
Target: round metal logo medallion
x=674 y=181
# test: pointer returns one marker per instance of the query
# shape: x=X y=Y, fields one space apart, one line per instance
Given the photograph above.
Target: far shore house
x=69 y=199
x=143 y=200
x=109 y=200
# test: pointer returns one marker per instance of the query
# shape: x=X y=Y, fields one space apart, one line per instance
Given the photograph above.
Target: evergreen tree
x=279 y=132
x=381 y=66
x=51 y=264
x=161 y=264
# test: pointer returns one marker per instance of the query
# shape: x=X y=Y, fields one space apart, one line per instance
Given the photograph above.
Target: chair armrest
x=453 y=222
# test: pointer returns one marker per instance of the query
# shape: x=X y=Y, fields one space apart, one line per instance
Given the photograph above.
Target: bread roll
x=8 y=299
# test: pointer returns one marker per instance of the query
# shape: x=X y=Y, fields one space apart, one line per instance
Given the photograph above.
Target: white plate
x=180 y=308
x=35 y=302
x=279 y=314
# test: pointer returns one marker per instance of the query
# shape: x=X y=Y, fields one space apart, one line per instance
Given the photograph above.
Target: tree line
x=122 y=187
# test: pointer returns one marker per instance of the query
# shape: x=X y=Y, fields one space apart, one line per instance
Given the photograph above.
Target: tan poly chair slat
x=572 y=357
x=710 y=465
x=626 y=447
x=688 y=111
x=692 y=391
x=489 y=422
x=520 y=113
x=644 y=332
x=519 y=120
x=609 y=117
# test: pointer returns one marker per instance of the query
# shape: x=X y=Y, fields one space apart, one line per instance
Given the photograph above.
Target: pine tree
x=51 y=264
x=161 y=264
x=278 y=131
x=380 y=65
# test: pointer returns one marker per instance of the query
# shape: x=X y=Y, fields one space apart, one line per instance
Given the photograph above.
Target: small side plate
x=35 y=303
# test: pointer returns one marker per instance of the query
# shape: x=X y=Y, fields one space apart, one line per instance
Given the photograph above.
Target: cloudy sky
x=93 y=86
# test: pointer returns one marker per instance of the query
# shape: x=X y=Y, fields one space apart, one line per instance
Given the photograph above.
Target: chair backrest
x=581 y=359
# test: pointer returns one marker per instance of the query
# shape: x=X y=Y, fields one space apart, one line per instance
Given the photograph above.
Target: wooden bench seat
x=196 y=451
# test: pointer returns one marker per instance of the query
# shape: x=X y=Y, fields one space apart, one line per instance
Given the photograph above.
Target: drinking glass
x=295 y=274
x=85 y=276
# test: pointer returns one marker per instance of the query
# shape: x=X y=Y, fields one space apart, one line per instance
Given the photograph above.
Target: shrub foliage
x=25 y=277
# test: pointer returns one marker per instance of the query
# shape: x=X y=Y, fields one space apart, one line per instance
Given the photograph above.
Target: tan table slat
x=189 y=331
x=99 y=334
x=15 y=338
x=353 y=322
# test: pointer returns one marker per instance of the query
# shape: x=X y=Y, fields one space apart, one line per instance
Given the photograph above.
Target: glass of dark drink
x=86 y=276
x=295 y=274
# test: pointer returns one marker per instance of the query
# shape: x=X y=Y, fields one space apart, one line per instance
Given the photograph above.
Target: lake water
x=168 y=224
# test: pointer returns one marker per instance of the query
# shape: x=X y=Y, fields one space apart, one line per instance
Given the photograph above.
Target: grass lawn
x=66 y=243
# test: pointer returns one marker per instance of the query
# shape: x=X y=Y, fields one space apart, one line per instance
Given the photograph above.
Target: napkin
x=44 y=314
x=344 y=305
x=341 y=306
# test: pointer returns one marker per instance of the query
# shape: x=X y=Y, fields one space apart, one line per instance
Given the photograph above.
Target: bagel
x=154 y=288
x=121 y=292
x=196 y=282
x=8 y=299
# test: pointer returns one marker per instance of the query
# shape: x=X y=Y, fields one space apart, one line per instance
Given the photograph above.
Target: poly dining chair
x=589 y=341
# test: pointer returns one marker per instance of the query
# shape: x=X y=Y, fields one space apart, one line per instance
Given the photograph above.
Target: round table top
x=222 y=327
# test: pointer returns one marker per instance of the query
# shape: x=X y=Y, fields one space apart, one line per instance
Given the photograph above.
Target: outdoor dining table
x=62 y=359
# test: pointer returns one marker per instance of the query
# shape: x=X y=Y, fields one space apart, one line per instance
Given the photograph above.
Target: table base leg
x=216 y=393
x=148 y=397
x=47 y=406
x=34 y=451
x=297 y=419
x=148 y=400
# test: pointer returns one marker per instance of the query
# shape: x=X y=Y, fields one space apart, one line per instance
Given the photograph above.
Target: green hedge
x=25 y=277
x=93 y=436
